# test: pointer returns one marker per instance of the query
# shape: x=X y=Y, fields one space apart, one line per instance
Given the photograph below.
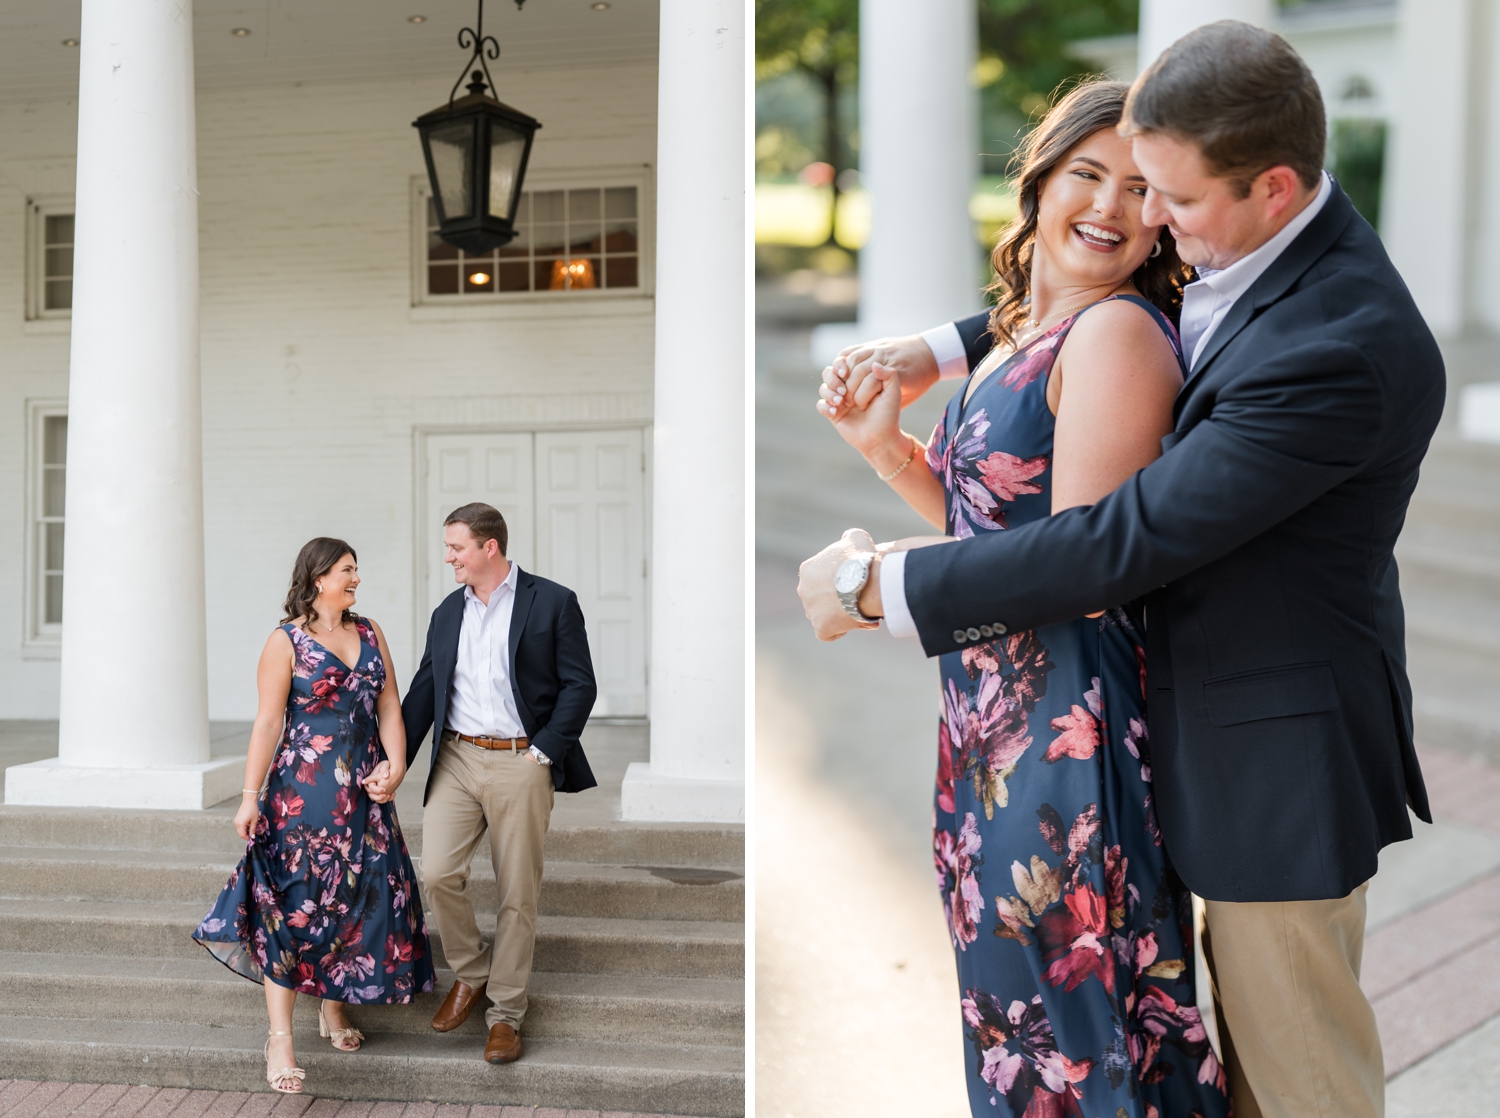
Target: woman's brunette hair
x=315 y=560
x=1088 y=108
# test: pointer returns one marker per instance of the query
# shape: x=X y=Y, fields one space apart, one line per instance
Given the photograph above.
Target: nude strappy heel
x=288 y=1080
x=345 y=1040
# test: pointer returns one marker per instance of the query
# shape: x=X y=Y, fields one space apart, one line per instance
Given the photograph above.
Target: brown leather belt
x=515 y=745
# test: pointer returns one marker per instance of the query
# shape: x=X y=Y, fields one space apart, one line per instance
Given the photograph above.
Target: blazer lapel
x=449 y=620
x=525 y=595
x=1308 y=247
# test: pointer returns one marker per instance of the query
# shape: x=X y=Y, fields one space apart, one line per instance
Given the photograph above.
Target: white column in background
x=134 y=706
x=1430 y=162
x=919 y=158
x=1163 y=22
x=698 y=583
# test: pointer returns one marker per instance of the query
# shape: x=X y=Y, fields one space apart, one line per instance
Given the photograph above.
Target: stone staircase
x=637 y=1002
x=1449 y=558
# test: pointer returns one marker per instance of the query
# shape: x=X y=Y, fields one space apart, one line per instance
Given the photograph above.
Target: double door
x=574 y=502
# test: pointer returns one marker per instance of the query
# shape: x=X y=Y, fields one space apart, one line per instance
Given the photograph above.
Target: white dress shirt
x=1205 y=303
x=947 y=346
x=481 y=704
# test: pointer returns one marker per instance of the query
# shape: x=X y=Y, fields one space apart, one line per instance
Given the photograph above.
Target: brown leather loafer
x=504 y=1044
x=456 y=1006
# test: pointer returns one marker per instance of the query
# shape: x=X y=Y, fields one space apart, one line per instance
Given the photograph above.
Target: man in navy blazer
x=1261 y=542
x=507 y=682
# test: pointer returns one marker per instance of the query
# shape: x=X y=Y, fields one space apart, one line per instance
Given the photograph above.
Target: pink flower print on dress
x=1079 y=736
x=1039 y=357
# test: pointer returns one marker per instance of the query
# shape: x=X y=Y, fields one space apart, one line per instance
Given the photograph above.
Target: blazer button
x=1000 y=630
x=973 y=634
x=960 y=636
x=986 y=631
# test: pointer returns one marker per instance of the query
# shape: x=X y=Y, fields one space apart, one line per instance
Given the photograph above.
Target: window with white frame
x=571 y=241
x=49 y=234
x=47 y=488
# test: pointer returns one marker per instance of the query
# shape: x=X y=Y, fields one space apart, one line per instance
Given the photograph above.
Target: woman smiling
x=325 y=900
x=1071 y=929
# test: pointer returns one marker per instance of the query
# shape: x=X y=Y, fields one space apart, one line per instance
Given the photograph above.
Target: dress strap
x=1153 y=310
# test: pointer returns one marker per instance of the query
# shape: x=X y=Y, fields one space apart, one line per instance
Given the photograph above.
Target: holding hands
x=383 y=781
x=847 y=382
x=862 y=395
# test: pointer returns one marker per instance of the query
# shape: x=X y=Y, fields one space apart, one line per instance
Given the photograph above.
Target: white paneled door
x=575 y=505
x=495 y=469
x=590 y=501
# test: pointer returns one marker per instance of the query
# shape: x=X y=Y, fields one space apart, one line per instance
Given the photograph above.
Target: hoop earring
x=1155 y=252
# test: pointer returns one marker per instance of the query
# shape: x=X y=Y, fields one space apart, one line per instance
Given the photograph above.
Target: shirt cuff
x=538 y=756
x=898 y=620
x=948 y=347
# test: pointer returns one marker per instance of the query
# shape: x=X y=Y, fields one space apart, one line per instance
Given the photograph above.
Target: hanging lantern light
x=476 y=149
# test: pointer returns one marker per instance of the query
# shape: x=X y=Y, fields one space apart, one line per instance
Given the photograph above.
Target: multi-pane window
x=57 y=262
x=566 y=240
x=51 y=465
x=49 y=257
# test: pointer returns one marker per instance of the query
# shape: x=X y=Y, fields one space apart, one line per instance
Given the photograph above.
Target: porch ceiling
x=338 y=40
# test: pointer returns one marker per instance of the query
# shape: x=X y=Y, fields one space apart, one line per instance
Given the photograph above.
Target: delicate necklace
x=1035 y=323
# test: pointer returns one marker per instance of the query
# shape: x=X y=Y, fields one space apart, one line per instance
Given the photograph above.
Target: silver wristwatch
x=849 y=580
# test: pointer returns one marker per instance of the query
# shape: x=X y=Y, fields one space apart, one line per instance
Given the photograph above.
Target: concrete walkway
x=852 y=956
x=21 y=1098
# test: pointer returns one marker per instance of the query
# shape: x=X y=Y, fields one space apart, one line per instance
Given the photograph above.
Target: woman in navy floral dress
x=325 y=900
x=1072 y=933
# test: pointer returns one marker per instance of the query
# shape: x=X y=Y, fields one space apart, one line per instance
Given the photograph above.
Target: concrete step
x=585 y=1075
x=713 y=846
x=1455 y=694
x=568 y=888
x=1449 y=562
x=571 y=944
x=201 y=990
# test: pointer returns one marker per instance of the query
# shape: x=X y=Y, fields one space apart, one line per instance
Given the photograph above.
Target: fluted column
x=698 y=580
x=134 y=704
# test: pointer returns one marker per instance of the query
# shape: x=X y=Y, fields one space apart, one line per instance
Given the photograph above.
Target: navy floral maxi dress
x=325 y=900
x=1072 y=933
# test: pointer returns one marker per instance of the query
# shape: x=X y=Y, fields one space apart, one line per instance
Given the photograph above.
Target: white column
x=698 y=581
x=919 y=157
x=134 y=708
x=1163 y=22
x=1430 y=163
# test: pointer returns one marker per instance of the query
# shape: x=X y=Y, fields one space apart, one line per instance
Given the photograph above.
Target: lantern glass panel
x=452 y=148
x=507 y=149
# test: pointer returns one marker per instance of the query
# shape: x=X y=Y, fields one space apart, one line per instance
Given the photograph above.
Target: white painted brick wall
x=315 y=370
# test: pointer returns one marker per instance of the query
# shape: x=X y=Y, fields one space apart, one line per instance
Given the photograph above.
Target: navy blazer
x=1279 y=707
x=551 y=677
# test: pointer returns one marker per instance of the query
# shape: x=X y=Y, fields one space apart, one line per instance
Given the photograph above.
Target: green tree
x=821 y=39
x=1024 y=57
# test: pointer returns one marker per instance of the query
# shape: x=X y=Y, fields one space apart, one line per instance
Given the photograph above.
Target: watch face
x=849 y=577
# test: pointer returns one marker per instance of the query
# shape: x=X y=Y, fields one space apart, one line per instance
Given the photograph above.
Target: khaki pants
x=1298 y=1033
x=509 y=796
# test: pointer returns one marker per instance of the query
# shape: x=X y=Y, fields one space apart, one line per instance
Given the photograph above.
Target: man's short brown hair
x=484 y=523
x=1242 y=95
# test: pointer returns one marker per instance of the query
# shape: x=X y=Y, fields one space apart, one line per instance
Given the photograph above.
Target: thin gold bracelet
x=909 y=458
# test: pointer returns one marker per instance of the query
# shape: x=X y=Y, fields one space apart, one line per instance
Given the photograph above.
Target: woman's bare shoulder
x=1121 y=333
